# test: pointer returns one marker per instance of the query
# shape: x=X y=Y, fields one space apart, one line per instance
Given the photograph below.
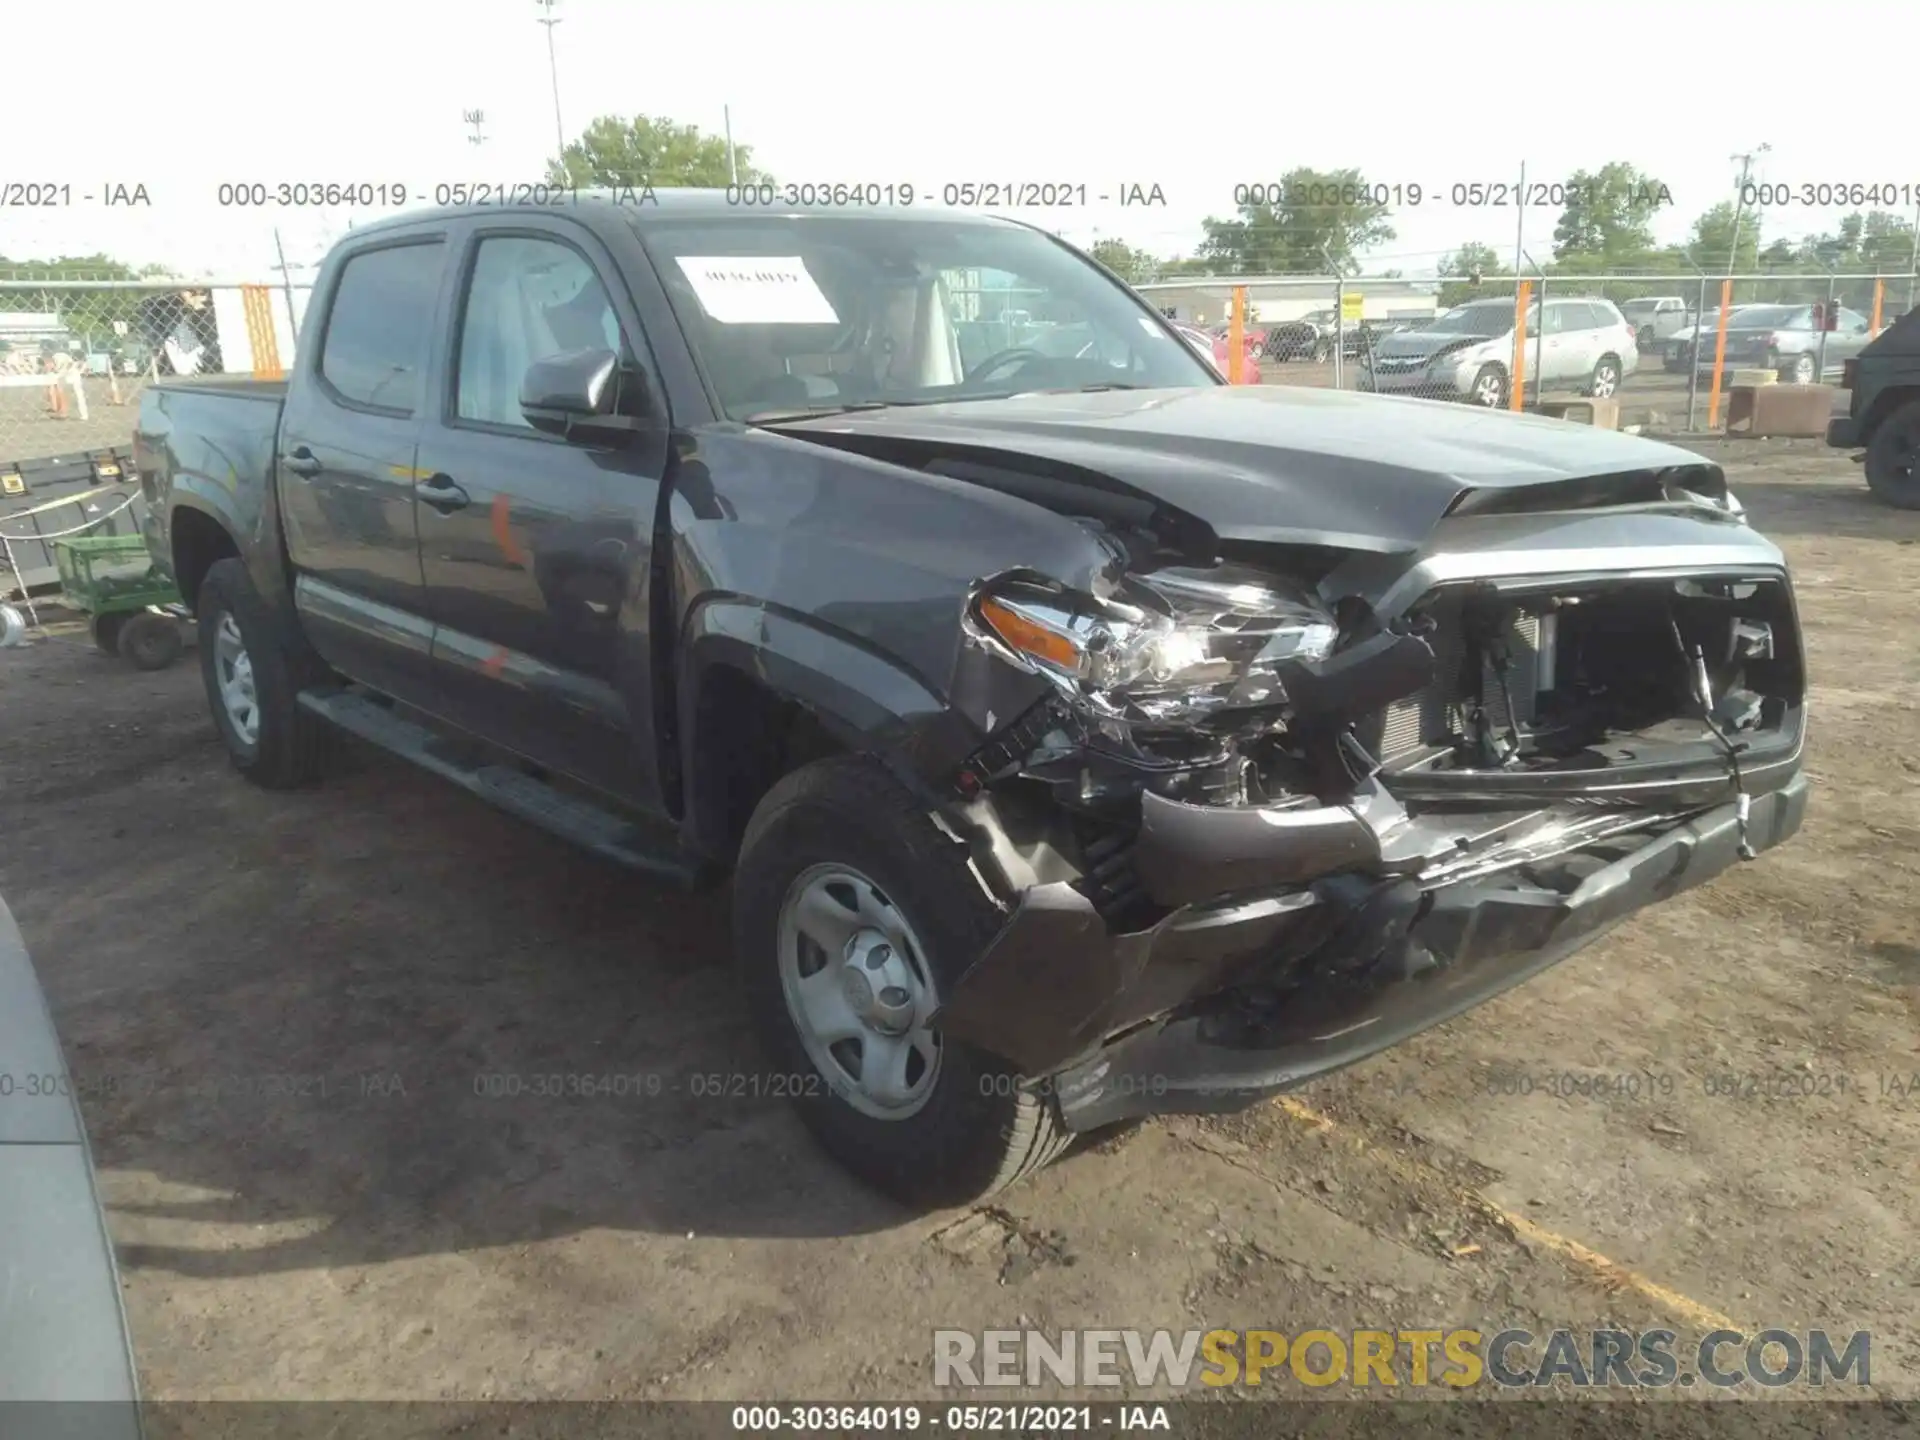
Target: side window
x=1556 y=320
x=1853 y=322
x=527 y=300
x=1589 y=317
x=378 y=330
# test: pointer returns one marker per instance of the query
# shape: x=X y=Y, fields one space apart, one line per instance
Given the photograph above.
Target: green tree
x=649 y=151
x=1711 y=243
x=1608 y=215
x=1320 y=218
x=88 y=314
x=1133 y=266
x=1462 y=270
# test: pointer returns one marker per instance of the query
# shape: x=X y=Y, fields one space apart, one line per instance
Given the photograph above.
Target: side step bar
x=581 y=821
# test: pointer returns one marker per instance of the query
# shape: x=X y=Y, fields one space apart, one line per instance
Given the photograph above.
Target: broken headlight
x=1170 y=648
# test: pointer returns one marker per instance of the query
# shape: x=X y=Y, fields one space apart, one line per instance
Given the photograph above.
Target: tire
x=1893 y=458
x=1489 y=389
x=1604 y=383
x=287 y=746
x=1644 y=340
x=1805 y=370
x=958 y=1127
x=105 y=630
x=148 y=641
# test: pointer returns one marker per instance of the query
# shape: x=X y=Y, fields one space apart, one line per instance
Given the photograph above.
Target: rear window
x=379 y=328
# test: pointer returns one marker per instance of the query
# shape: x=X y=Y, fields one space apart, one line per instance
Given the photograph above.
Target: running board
x=581 y=821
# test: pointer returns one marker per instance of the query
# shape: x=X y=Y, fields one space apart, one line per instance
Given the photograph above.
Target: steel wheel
x=233 y=673
x=859 y=991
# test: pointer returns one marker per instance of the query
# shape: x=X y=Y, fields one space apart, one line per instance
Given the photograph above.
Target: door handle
x=302 y=462
x=443 y=494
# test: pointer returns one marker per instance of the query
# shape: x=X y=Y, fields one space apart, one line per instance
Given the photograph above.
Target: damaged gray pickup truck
x=1086 y=738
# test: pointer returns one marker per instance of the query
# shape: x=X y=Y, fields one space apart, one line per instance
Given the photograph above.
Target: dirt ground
x=370 y=1224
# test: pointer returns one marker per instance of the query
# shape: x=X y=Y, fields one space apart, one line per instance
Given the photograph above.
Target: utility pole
x=553 y=69
x=733 y=170
x=1740 y=199
x=475 y=118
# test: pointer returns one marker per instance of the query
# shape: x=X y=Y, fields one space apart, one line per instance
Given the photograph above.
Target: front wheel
x=1489 y=387
x=853 y=916
x=1804 y=371
x=250 y=667
x=105 y=630
x=1893 y=458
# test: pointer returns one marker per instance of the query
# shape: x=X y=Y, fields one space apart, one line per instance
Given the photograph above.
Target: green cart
x=132 y=609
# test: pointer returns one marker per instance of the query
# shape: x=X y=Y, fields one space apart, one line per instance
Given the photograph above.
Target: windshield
x=801 y=311
x=1483 y=317
x=1771 y=317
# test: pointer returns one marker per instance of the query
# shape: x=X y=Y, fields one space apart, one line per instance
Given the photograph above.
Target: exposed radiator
x=1429 y=717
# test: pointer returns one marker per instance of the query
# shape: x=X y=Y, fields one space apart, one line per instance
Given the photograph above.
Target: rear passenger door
x=348 y=434
x=536 y=550
x=1552 y=366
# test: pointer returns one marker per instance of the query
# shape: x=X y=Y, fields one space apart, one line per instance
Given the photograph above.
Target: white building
x=1275 y=299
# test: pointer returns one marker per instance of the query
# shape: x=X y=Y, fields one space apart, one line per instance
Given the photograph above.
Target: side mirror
x=574 y=395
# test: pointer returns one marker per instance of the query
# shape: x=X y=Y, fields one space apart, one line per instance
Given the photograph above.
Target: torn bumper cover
x=1306 y=940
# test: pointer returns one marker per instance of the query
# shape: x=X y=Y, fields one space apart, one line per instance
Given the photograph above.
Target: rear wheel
x=1605 y=379
x=853 y=916
x=105 y=630
x=1893 y=458
x=1489 y=387
x=250 y=665
x=150 y=642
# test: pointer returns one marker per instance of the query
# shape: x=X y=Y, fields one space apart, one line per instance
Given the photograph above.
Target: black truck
x=1883 y=412
x=1085 y=738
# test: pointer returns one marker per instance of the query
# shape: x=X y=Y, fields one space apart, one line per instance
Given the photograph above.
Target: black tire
x=1644 y=339
x=1490 y=388
x=291 y=747
x=977 y=1130
x=1606 y=370
x=1893 y=458
x=105 y=630
x=149 y=641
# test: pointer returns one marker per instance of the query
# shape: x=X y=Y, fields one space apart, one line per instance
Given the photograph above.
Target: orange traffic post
x=1719 y=355
x=1879 y=298
x=1237 y=337
x=1517 y=391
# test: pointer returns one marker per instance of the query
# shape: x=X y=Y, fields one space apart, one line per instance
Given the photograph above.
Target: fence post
x=1879 y=299
x=1237 y=337
x=1826 y=328
x=1719 y=353
x=1693 y=356
x=1523 y=293
x=1339 y=327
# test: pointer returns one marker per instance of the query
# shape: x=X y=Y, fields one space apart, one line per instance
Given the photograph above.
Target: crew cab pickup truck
x=1086 y=738
x=1883 y=412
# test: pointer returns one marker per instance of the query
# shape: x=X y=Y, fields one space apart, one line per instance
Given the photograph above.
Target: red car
x=1213 y=348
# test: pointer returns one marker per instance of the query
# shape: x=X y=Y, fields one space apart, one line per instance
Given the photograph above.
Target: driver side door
x=536 y=550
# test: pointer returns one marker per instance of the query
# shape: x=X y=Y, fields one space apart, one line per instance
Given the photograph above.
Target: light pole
x=1740 y=200
x=553 y=69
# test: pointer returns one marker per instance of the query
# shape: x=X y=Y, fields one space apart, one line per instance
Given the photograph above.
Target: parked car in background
x=1788 y=340
x=1252 y=338
x=1308 y=338
x=1214 y=350
x=1676 y=354
x=1883 y=412
x=1467 y=353
x=1654 y=318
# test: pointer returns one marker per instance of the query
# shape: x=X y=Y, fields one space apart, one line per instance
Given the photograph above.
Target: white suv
x=1580 y=344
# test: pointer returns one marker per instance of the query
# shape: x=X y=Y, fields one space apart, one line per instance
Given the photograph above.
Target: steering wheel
x=1000 y=360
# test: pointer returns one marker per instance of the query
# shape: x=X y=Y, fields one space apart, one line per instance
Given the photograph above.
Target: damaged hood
x=1263 y=464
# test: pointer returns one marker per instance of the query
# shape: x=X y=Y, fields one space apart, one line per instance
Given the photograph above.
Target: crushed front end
x=1282 y=812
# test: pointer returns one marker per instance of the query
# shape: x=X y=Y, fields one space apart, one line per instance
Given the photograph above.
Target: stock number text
x=1317 y=194
x=1890 y=194
x=822 y=192
x=294 y=194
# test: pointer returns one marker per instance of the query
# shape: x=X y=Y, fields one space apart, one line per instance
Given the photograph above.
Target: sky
x=183 y=96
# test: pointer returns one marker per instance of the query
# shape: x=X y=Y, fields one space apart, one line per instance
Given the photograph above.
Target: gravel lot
x=372 y=1226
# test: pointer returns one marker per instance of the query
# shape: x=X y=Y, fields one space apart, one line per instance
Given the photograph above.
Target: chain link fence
x=1635 y=339
x=75 y=354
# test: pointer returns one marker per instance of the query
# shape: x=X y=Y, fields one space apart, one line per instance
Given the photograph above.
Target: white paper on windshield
x=757 y=289
x=1152 y=329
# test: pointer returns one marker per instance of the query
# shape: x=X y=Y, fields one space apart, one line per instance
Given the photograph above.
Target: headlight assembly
x=1172 y=648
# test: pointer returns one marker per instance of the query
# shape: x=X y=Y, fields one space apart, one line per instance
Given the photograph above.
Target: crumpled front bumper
x=1185 y=1017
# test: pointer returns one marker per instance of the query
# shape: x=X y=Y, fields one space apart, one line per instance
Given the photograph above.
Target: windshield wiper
x=1098 y=386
